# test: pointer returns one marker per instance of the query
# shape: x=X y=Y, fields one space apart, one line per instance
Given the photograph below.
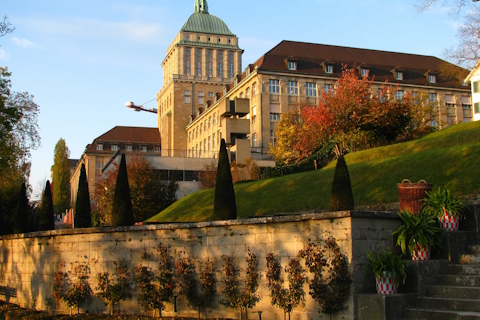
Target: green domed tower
x=203 y=57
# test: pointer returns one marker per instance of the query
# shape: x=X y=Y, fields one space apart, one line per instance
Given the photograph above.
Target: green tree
x=46 y=220
x=18 y=132
x=224 y=206
x=21 y=219
x=61 y=177
x=122 y=213
x=83 y=211
x=342 y=195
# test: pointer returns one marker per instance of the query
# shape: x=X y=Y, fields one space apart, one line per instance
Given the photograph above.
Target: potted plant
x=418 y=234
x=388 y=269
x=448 y=209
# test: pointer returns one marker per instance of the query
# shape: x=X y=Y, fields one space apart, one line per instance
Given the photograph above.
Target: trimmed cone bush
x=122 y=213
x=224 y=207
x=342 y=195
x=83 y=211
x=20 y=220
x=46 y=220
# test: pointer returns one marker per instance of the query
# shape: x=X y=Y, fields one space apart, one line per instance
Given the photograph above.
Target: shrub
x=46 y=220
x=224 y=206
x=342 y=195
x=83 y=211
x=21 y=218
x=122 y=213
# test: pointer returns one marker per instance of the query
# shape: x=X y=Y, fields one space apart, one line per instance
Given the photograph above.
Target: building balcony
x=238 y=107
x=233 y=127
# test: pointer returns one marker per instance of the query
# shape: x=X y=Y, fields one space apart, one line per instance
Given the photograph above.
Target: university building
x=201 y=102
x=207 y=95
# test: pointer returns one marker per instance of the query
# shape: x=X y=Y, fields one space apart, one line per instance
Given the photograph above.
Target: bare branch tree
x=455 y=5
x=5 y=27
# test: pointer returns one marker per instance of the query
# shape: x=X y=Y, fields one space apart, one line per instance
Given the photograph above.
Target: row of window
x=128 y=148
x=207 y=147
x=203 y=127
x=200 y=95
x=364 y=72
x=209 y=63
x=209 y=39
x=292 y=87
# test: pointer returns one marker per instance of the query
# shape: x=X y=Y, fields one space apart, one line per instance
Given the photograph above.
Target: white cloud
x=87 y=28
x=4 y=55
x=24 y=43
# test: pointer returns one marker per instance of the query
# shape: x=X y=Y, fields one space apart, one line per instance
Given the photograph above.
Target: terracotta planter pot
x=422 y=253
x=449 y=222
x=388 y=284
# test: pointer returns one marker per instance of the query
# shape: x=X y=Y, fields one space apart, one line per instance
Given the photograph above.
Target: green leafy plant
x=332 y=278
x=116 y=287
x=442 y=200
x=417 y=231
x=285 y=298
x=385 y=261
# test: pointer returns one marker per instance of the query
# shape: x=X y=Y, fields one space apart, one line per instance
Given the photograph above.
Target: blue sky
x=82 y=60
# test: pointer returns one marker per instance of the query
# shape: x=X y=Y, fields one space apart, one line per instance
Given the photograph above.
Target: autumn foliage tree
x=351 y=115
x=150 y=191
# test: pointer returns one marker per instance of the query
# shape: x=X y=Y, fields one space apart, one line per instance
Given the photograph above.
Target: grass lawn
x=448 y=157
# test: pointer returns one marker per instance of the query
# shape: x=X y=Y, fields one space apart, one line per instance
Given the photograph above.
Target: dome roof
x=203 y=22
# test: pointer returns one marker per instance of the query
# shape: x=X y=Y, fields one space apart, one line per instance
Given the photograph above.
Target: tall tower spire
x=201 y=6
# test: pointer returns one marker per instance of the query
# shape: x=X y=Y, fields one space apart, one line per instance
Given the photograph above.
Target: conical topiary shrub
x=122 y=213
x=46 y=220
x=224 y=207
x=342 y=196
x=20 y=219
x=83 y=211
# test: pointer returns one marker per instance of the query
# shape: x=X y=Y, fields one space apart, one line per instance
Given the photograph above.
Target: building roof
x=203 y=22
x=475 y=70
x=127 y=135
x=311 y=58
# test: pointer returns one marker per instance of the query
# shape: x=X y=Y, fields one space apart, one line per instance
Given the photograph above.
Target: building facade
x=474 y=79
x=203 y=57
x=294 y=74
x=103 y=150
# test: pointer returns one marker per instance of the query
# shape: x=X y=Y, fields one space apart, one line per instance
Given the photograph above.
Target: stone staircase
x=455 y=293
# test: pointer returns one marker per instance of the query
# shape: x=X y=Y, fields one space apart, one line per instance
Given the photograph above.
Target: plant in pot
x=448 y=209
x=389 y=269
x=417 y=234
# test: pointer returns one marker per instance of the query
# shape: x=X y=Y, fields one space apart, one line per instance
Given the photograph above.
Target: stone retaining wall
x=29 y=261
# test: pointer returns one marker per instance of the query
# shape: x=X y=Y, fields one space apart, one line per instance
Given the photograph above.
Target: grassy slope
x=448 y=157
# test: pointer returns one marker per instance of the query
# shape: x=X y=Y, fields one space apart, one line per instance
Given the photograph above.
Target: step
x=475 y=249
x=458 y=280
x=469 y=305
x=469 y=259
x=457 y=292
x=465 y=269
x=427 y=314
